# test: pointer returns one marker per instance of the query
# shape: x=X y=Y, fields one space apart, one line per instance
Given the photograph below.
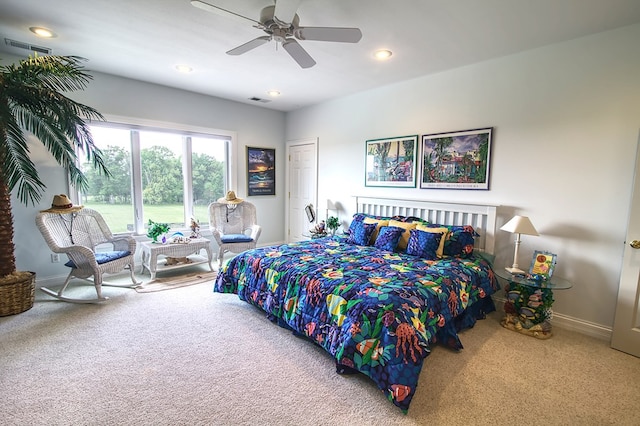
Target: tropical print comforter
x=374 y=311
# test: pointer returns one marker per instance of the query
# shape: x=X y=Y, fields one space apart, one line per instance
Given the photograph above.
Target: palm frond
x=19 y=170
x=59 y=73
x=31 y=100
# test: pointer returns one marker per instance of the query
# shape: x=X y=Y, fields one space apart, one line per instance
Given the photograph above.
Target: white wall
x=115 y=96
x=566 y=122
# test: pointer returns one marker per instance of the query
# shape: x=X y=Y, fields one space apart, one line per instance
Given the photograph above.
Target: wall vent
x=27 y=46
x=256 y=99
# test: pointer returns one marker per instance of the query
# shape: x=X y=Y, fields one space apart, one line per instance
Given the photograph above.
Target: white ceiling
x=145 y=39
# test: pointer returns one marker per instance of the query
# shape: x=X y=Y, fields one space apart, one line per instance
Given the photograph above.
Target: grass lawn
x=118 y=216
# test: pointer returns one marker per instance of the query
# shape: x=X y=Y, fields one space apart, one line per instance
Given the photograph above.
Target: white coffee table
x=151 y=252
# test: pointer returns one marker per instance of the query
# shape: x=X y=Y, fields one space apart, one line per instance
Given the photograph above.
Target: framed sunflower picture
x=542 y=265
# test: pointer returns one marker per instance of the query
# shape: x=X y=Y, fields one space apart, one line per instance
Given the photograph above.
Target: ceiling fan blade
x=342 y=35
x=249 y=45
x=286 y=10
x=221 y=11
x=298 y=53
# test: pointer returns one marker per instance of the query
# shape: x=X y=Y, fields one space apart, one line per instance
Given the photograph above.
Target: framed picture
x=391 y=161
x=311 y=213
x=261 y=171
x=456 y=160
x=542 y=265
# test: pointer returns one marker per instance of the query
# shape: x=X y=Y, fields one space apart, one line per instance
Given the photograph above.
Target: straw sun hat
x=62 y=204
x=230 y=198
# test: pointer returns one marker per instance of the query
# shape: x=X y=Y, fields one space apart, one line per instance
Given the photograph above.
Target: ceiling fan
x=281 y=23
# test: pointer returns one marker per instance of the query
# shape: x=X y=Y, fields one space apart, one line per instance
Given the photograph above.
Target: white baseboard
x=567 y=322
x=50 y=281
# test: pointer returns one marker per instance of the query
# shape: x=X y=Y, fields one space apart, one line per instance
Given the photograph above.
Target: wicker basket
x=18 y=296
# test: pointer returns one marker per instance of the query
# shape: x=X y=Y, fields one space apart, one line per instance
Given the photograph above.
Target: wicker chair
x=234 y=227
x=78 y=235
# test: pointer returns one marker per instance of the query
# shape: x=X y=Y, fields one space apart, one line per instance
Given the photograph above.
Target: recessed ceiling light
x=42 y=32
x=273 y=93
x=382 y=54
x=184 y=68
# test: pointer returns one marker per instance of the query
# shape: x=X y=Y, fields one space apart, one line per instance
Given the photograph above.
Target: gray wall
x=566 y=122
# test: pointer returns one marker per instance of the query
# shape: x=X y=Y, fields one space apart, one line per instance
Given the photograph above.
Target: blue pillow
x=236 y=238
x=423 y=244
x=388 y=237
x=104 y=257
x=361 y=233
x=460 y=240
x=360 y=217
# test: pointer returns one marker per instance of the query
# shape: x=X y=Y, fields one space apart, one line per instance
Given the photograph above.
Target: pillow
x=104 y=257
x=459 y=241
x=379 y=224
x=424 y=244
x=404 y=240
x=361 y=233
x=359 y=217
x=235 y=238
x=388 y=238
x=442 y=230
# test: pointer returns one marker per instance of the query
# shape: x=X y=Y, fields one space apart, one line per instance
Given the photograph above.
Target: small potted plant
x=156 y=229
x=333 y=224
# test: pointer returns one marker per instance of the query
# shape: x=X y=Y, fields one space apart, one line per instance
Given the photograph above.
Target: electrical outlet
x=55 y=258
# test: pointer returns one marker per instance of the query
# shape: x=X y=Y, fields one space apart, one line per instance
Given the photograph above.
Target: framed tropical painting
x=456 y=160
x=261 y=171
x=391 y=161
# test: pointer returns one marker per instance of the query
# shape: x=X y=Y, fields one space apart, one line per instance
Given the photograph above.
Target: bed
x=408 y=274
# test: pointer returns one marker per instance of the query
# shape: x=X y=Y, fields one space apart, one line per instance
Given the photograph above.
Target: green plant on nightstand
x=332 y=224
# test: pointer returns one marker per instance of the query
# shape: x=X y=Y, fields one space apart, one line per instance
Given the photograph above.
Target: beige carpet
x=171 y=282
x=194 y=357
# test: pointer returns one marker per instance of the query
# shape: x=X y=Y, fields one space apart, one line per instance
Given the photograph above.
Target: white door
x=302 y=182
x=626 y=327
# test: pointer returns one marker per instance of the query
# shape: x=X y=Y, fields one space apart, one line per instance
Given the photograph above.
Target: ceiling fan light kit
x=282 y=24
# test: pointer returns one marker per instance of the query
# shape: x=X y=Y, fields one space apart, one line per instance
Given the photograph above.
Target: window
x=162 y=175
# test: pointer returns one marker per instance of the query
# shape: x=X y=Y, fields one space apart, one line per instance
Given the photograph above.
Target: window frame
x=187 y=132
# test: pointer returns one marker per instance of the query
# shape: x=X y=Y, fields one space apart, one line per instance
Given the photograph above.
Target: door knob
x=635 y=244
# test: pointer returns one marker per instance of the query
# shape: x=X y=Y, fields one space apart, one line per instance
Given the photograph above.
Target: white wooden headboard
x=481 y=216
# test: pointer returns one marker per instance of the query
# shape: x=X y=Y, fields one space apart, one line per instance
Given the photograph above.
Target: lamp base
x=515 y=271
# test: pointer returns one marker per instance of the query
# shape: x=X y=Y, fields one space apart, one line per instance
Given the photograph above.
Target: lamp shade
x=520 y=225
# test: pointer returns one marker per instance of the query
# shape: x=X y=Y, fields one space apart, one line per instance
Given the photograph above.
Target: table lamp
x=518 y=225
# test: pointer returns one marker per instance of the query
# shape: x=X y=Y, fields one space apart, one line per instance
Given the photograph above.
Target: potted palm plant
x=32 y=100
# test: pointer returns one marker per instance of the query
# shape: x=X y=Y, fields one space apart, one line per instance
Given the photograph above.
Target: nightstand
x=528 y=305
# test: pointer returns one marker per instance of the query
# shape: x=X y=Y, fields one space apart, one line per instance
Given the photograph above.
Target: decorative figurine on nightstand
x=319 y=230
x=195 y=228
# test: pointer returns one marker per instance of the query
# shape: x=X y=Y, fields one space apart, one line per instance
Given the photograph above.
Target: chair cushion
x=236 y=238
x=104 y=257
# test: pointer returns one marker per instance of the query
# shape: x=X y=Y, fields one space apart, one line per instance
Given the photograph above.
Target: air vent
x=256 y=99
x=27 y=46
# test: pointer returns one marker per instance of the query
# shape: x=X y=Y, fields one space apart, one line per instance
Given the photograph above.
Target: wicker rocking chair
x=78 y=235
x=234 y=227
